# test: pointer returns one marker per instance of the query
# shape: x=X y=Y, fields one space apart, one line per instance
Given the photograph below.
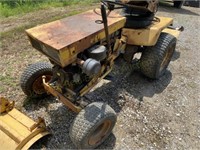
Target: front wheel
x=92 y=125
x=155 y=59
x=31 y=79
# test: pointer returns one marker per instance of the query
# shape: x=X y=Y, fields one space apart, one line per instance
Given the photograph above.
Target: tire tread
x=152 y=57
x=86 y=121
x=31 y=73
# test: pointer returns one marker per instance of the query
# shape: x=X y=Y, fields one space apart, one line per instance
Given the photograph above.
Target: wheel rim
x=38 y=87
x=167 y=58
x=100 y=132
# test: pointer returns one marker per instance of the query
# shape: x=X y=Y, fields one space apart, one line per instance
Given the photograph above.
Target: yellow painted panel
x=13 y=134
x=163 y=22
x=173 y=32
x=33 y=140
x=147 y=36
x=6 y=143
x=141 y=36
x=15 y=125
x=26 y=121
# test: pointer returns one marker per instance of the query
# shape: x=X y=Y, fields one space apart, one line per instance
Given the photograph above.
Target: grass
x=22 y=28
x=18 y=7
x=7 y=80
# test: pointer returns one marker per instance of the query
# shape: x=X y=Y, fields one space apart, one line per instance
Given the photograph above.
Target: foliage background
x=17 y=7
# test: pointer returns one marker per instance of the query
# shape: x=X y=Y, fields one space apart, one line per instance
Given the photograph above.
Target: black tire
x=31 y=79
x=178 y=4
x=96 y=120
x=155 y=60
x=137 y=22
x=127 y=11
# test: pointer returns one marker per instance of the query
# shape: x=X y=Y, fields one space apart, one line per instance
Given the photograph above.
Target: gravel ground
x=152 y=114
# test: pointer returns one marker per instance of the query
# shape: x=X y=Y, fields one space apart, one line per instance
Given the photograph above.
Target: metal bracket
x=40 y=123
x=60 y=96
x=181 y=28
x=5 y=105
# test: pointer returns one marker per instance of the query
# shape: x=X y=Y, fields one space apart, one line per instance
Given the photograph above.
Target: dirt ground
x=152 y=114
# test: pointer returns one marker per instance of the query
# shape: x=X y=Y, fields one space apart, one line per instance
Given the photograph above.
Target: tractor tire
x=31 y=79
x=137 y=22
x=92 y=125
x=155 y=59
x=178 y=4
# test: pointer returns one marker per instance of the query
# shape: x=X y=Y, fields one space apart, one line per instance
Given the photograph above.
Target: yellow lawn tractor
x=82 y=50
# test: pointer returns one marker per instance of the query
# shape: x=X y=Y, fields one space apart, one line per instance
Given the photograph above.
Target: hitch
x=181 y=28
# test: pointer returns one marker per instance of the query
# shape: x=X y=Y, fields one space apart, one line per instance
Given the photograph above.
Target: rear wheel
x=155 y=60
x=31 y=79
x=92 y=125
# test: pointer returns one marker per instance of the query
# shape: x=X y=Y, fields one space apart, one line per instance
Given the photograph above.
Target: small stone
x=121 y=96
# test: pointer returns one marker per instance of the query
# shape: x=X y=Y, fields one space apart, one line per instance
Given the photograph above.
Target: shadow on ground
x=125 y=83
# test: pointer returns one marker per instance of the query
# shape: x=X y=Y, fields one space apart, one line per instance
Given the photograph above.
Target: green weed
x=22 y=28
x=7 y=80
x=17 y=7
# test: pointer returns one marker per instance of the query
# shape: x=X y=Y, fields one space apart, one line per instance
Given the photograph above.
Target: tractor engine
x=77 y=75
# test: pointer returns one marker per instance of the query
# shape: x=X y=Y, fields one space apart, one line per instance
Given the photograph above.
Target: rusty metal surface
x=62 y=33
x=60 y=96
